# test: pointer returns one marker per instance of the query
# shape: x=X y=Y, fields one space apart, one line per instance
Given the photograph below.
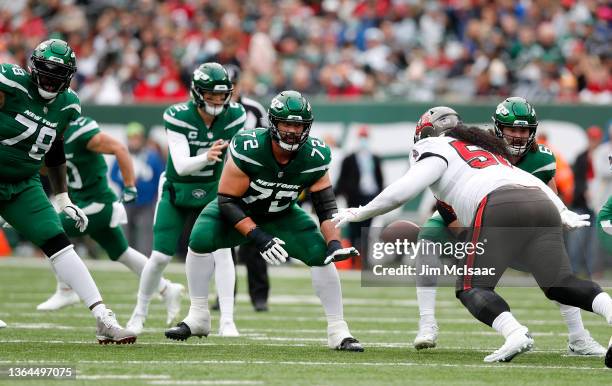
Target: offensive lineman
x=257 y=202
x=198 y=132
x=465 y=168
x=88 y=188
x=35 y=109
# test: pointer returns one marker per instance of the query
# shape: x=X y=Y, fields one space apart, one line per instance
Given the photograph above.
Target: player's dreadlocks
x=482 y=138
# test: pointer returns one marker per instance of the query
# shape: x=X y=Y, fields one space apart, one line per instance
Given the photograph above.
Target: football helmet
x=516 y=112
x=435 y=121
x=290 y=106
x=52 y=65
x=213 y=78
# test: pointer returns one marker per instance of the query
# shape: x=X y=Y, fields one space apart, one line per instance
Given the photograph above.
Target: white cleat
x=518 y=342
x=2 y=324
x=585 y=345
x=60 y=299
x=136 y=323
x=427 y=335
x=227 y=329
x=172 y=296
x=109 y=331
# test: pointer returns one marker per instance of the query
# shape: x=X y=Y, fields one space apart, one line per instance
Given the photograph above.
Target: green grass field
x=286 y=346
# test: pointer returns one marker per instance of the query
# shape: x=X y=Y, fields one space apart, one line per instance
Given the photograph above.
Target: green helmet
x=213 y=78
x=290 y=106
x=53 y=63
x=516 y=112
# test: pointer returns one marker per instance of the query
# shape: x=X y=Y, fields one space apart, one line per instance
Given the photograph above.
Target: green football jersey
x=604 y=226
x=28 y=123
x=540 y=163
x=87 y=180
x=274 y=188
x=183 y=118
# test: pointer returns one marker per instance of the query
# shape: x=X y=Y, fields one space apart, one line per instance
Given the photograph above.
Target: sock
x=99 y=311
x=135 y=262
x=61 y=286
x=426 y=298
x=506 y=324
x=573 y=320
x=225 y=279
x=199 y=268
x=71 y=270
x=150 y=280
x=326 y=283
x=602 y=305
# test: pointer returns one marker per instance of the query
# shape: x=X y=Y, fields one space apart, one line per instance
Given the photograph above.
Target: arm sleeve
x=179 y=151
x=422 y=174
x=56 y=156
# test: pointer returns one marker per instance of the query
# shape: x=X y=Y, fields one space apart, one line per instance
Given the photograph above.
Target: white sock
x=506 y=324
x=426 y=298
x=197 y=311
x=199 y=268
x=99 y=311
x=61 y=286
x=150 y=280
x=573 y=320
x=326 y=283
x=225 y=279
x=135 y=262
x=602 y=305
x=71 y=270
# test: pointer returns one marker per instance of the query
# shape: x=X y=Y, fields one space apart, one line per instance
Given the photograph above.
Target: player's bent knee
x=55 y=244
x=483 y=303
x=198 y=254
x=574 y=292
x=160 y=258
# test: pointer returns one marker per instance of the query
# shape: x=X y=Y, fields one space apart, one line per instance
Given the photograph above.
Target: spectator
x=148 y=166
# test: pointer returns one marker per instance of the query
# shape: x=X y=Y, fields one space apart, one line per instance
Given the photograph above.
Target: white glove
x=273 y=252
x=74 y=212
x=335 y=252
x=573 y=220
x=346 y=215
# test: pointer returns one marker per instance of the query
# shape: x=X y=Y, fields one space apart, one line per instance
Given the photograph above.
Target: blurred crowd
x=145 y=50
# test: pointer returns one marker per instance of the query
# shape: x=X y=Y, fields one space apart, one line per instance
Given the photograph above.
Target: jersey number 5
x=478 y=158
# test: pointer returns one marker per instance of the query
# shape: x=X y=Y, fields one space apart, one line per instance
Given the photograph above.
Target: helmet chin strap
x=46 y=94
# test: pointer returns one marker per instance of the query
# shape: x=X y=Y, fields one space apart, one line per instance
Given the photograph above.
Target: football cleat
x=109 y=331
x=182 y=332
x=339 y=338
x=136 y=323
x=2 y=324
x=608 y=360
x=585 y=345
x=350 y=344
x=60 y=299
x=427 y=336
x=228 y=329
x=172 y=297
x=518 y=342
x=260 y=306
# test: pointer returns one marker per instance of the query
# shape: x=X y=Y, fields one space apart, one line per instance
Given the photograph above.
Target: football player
x=466 y=168
x=258 y=190
x=36 y=107
x=198 y=133
x=515 y=122
x=88 y=187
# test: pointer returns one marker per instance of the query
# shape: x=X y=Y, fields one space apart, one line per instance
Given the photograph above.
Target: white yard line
x=122 y=377
x=205 y=382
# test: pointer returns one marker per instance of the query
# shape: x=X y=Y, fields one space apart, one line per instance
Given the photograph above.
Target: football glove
x=129 y=194
x=270 y=248
x=64 y=205
x=573 y=220
x=335 y=252
x=346 y=215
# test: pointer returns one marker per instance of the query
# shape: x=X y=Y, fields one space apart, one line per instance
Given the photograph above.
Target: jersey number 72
x=478 y=158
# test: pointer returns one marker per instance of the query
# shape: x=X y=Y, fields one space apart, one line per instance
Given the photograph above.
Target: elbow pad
x=324 y=202
x=56 y=156
x=230 y=208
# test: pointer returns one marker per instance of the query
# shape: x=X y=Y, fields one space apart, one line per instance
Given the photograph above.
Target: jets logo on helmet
x=290 y=107
x=211 y=78
x=512 y=113
x=436 y=121
x=52 y=65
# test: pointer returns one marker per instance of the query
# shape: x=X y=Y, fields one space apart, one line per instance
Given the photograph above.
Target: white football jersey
x=472 y=174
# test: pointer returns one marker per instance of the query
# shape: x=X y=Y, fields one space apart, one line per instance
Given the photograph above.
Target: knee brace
x=574 y=292
x=483 y=303
x=55 y=244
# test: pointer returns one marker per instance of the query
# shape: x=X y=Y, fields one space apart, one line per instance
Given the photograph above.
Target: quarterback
x=198 y=133
x=467 y=169
x=35 y=110
x=258 y=190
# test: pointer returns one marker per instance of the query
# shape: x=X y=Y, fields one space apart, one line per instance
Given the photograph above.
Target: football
x=400 y=230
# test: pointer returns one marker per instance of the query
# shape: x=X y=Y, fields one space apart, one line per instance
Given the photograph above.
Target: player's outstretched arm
x=105 y=144
x=324 y=202
x=183 y=163
x=233 y=184
x=422 y=174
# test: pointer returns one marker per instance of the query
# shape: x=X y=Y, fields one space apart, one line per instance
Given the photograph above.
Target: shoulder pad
x=245 y=146
x=318 y=151
x=13 y=78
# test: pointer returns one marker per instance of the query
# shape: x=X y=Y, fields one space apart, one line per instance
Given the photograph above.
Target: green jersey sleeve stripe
x=87 y=128
x=324 y=167
x=178 y=122
x=12 y=83
x=236 y=122
x=550 y=166
x=243 y=157
x=75 y=106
